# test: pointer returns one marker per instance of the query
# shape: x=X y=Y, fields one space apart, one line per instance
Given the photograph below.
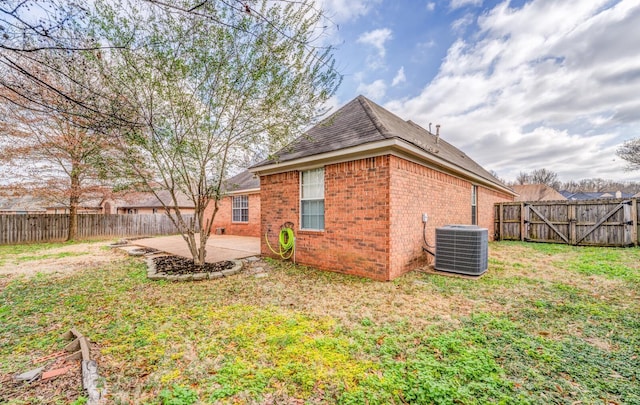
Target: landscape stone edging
x=152 y=274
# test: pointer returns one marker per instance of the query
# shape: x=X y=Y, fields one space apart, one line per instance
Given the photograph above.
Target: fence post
x=634 y=219
x=522 y=221
x=527 y=218
x=572 y=222
x=500 y=225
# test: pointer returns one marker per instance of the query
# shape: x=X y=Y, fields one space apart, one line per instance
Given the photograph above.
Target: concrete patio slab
x=219 y=247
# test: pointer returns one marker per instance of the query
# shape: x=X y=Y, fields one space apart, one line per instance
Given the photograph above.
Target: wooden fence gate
x=610 y=222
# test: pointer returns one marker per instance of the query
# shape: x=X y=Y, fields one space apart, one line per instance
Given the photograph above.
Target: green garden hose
x=286 y=240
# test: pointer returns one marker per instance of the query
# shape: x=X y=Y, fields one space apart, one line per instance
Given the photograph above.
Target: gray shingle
x=242 y=181
x=362 y=121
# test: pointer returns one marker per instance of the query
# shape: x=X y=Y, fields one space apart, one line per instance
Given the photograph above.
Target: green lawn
x=546 y=324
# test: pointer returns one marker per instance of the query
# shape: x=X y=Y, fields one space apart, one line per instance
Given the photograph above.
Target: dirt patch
x=353 y=300
x=63 y=260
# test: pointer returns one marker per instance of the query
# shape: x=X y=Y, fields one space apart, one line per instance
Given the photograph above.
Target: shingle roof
x=594 y=195
x=362 y=121
x=143 y=200
x=22 y=203
x=537 y=192
x=242 y=181
x=83 y=203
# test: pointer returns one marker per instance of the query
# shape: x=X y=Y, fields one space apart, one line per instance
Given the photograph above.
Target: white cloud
x=553 y=84
x=462 y=3
x=332 y=104
x=341 y=11
x=375 y=90
x=377 y=39
x=460 y=25
x=431 y=6
x=399 y=78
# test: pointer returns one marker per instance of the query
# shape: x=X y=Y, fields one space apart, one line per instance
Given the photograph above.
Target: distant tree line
x=551 y=179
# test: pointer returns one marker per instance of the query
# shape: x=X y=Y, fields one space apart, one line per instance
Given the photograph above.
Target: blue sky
x=518 y=85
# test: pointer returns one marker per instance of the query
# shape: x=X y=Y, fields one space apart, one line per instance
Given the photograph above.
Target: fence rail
x=610 y=222
x=16 y=229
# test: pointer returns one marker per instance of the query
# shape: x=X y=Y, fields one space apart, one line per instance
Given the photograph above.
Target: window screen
x=240 y=208
x=312 y=199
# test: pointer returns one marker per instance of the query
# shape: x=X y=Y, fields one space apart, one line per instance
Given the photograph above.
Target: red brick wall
x=355 y=238
x=373 y=214
x=416 y=189
x=224 y=216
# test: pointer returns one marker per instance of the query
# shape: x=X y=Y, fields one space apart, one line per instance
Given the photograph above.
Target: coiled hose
x=286 y=241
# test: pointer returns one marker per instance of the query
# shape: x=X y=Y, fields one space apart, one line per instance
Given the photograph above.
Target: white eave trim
x=243 y=191
x=392 y=146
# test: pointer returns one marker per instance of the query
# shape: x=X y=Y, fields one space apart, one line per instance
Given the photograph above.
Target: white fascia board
x=371 y=149
x=394 y=146
x=244 y=191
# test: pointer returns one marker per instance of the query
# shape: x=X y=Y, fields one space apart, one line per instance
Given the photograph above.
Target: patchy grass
x=59 y=255
x=546 y=324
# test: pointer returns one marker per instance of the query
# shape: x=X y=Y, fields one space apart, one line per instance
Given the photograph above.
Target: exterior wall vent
x=462 y=249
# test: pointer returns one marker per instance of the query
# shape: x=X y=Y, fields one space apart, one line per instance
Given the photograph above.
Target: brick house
x=356 y=186
x=239 y=211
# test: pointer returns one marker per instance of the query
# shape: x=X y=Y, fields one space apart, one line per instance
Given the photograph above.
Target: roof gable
x=537 y=192
x=349 y=126
x=241 y=182
x=149 y=200
x=361 y=121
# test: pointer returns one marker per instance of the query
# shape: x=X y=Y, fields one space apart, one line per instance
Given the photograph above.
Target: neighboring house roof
x=363 y=126
x=583 y=195
x=242 y=182
x=25 y=203
x=91 y=203
x=537 y=192
x=149 y=200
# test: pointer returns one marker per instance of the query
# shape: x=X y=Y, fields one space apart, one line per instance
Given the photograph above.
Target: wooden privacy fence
x=54 y=227
x=610 y=222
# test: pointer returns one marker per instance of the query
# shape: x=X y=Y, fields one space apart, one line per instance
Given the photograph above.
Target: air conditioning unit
x=462 y=249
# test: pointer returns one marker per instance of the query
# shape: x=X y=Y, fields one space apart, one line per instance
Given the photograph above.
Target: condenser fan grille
x=462 y=249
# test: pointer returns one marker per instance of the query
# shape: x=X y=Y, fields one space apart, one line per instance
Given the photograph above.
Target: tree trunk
x=205 y=229
x=74 y=200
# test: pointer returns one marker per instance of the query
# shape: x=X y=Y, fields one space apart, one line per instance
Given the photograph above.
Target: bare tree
x=51 y=151
x=34 y=37
x=523 y=178
x=630 y=151
x=31 y=28
x=497 y=176
x=544 y=176
x=540 y=176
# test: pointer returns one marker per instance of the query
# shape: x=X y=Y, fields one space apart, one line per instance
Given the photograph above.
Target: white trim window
x=240 y=208
x=312 y=199
x=474 y=205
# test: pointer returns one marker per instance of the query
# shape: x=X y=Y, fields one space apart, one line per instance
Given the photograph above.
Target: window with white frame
x=474 y=205
x=312 y=199
x=240 y=208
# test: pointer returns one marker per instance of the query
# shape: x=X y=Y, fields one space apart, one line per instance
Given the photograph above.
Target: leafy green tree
x=207 y=83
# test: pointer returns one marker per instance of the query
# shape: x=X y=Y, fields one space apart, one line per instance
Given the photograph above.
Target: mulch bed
x=175 y=265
